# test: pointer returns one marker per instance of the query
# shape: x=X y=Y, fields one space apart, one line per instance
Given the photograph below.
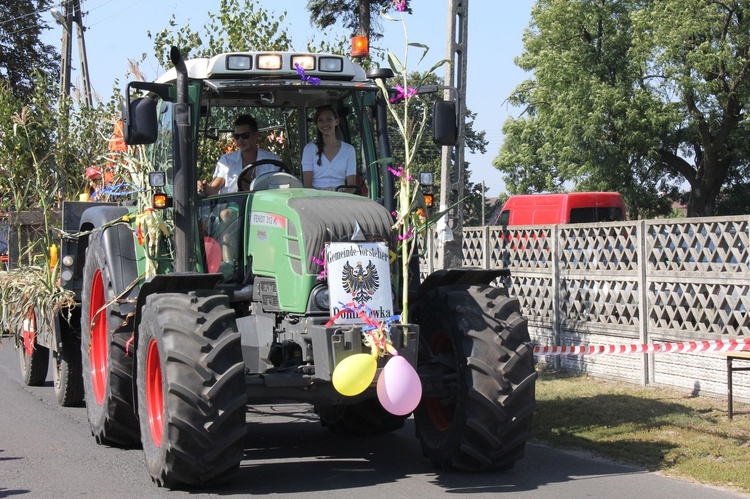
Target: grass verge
x=659 y=429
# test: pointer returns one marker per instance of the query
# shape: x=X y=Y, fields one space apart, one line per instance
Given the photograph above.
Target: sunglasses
x=243 y=135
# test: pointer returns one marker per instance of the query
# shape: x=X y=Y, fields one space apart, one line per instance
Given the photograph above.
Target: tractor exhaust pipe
x=184 y=172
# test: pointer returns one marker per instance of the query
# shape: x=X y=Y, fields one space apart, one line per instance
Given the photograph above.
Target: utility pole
x=484 y=201
x=449 y=228
x=72 y=15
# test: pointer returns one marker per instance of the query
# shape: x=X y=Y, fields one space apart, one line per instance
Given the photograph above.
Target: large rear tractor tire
x=191 y=389
x=477 y=370
x=367 y=417
x=107 y=367
x=34 y=358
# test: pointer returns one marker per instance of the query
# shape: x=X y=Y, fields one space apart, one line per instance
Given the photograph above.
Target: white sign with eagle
x=359 y=274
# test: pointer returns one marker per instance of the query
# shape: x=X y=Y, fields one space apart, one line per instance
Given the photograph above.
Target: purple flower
x=409 y=234
x=400 y=172
x=321 y=261
x=312 y=80
x=403 y=93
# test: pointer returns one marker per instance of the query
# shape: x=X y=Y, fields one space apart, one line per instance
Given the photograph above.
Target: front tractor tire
x=106 y=364
x=191 y=389
x=477 y=369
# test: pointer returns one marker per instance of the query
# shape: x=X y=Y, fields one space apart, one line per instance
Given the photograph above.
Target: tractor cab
x=242 y=233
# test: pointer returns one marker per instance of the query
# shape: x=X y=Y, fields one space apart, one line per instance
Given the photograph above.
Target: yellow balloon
x=354 y=374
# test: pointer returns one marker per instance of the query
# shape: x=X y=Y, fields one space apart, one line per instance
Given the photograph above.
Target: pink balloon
x=399 y=387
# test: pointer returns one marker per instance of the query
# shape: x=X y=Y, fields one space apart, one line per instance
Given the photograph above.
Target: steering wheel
x=354 y=189
x=242 y=181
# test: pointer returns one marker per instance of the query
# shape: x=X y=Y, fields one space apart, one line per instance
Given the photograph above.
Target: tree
x=21 y=50
x=634 y=96
x=226 y=31
x=355 y=15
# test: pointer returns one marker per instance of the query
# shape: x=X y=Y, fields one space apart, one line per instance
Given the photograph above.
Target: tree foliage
x=635 y=96
x=239 y=25
x=358 y=16
x=21 y=49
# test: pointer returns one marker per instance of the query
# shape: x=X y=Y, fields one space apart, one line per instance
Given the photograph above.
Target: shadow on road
x=293 y=453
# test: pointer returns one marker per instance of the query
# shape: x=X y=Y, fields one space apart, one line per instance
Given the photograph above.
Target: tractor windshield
x=285 y=123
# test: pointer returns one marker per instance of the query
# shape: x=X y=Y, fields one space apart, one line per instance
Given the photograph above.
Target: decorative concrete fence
x=645 y=281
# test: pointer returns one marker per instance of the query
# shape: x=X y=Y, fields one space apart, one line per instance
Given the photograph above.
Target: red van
x=570 y=208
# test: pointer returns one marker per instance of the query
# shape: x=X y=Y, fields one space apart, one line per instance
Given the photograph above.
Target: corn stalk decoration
x=409 y=222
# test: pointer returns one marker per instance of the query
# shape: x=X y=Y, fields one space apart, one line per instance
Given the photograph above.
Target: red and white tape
x=677 y=347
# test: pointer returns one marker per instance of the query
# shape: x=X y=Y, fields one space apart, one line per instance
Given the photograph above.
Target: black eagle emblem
x=360 y=282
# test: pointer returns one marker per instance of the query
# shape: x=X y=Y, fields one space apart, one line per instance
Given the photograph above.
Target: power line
x=48 y=9
x=34 y=12
x=29 y=28
x=115 y=14
x=97 y=7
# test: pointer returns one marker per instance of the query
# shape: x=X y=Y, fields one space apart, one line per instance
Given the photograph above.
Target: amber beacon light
x=360 y=47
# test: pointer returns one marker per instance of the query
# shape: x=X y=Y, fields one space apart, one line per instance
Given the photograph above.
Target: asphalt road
x=47 y=451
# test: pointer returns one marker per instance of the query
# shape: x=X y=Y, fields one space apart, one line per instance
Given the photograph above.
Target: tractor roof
x=301 y=66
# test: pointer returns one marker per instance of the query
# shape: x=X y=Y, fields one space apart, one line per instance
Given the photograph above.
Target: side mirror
x=139 y=121
x=444 y=124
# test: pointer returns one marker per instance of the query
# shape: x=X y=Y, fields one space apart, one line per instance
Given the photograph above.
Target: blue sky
x=116 y=31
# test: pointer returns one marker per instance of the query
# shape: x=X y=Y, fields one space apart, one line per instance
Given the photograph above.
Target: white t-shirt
x=329 y=173
x=230 y=165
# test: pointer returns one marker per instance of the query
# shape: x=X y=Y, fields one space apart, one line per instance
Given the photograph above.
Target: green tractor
x=181 y=330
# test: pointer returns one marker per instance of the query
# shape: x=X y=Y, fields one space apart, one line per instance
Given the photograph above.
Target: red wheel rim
x=99 y=348
x=154 y=393
x=29 y=334
x=440 y=413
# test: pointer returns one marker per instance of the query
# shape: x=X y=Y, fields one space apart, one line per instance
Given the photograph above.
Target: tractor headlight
x=321 y=298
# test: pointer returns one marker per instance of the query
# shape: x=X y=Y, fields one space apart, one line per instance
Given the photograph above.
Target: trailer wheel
x=34 y=357
x=67 y=372
x=191 y=389
x=477 y=369
x=106 y=365
x=362 y=418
